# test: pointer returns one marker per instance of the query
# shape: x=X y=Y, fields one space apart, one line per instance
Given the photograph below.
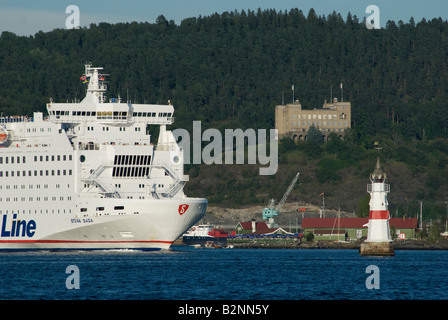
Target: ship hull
x=145 y=225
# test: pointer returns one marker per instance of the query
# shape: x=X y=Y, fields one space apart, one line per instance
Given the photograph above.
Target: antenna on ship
x=95 y=83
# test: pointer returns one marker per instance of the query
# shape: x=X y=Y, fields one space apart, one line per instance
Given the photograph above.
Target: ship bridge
x=110 y=113
x=95 y=108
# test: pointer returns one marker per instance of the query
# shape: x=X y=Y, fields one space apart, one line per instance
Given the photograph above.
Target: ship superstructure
x=88 y=176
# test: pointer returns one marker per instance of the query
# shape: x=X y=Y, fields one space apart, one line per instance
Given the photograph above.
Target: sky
x=27 y=17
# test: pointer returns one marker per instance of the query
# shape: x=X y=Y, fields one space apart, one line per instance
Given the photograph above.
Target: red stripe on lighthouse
x=379 y=214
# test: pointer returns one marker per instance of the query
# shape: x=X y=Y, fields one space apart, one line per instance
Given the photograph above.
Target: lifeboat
x=3 y=135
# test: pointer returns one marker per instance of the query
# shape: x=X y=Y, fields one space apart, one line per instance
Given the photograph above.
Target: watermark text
x=73 y=20
x=373 y=20
x=373 y=280
x=236 y=146
x=72 y=281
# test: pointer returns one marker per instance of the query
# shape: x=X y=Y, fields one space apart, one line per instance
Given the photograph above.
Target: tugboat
x=205 y=236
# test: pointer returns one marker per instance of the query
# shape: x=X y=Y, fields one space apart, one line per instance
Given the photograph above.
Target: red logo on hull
x=183 y=208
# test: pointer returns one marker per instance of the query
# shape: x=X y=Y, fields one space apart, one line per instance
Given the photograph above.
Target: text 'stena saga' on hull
x=89 y=177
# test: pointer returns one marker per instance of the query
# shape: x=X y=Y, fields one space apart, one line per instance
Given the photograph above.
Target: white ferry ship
x=88 y=177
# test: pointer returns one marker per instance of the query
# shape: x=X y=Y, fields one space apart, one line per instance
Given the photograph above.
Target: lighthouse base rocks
x=376 y=249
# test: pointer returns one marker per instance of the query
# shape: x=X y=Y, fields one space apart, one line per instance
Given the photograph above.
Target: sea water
x=185 y=273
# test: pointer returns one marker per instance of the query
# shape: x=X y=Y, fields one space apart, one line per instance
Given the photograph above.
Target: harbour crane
x=272 y=211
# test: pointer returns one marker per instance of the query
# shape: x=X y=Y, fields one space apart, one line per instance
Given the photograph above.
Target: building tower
x=378 y=240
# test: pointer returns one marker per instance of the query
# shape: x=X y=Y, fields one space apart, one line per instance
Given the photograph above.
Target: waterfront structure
x=294 y=122
x=351 y=229
x=378 y=240
x=89 y=176
x=252 y=227
x=255 y=228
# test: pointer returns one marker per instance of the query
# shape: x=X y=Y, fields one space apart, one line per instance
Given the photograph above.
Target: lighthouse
x=378 y=242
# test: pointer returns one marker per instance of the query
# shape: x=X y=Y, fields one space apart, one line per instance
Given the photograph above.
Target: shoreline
x=291 y=244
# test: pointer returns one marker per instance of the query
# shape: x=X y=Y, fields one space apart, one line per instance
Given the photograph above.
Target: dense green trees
x=236 y=65
x=231 y=69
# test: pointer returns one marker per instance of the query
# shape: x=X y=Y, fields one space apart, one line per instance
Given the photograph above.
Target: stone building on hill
x=293 y=121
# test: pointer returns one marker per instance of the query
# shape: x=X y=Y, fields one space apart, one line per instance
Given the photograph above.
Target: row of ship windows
x=35 y=130
x=22 y=159
x=31 y=186
x=132 y=160
x=15 y=199
x=102 y=208
x=130 y=171
x=107 y=114
x=152 y=114
x=140 y=185
x=89 y=128
x=37 y=211
x=37 y=173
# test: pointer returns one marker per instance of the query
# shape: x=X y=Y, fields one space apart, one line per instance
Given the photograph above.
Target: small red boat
x=203 y=234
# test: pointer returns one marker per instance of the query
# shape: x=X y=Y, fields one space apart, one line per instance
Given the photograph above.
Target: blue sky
x=27 y=17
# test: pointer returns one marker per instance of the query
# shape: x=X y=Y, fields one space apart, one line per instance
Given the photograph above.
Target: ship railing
x=172 y=174
x=156 y=120
x=70 y=132
x=13 y=119
x=109 y=120
x=106 y=191
x=97 y=170
x=93 y=179
x=179 y=185
x=178 y=181
x=91 y=118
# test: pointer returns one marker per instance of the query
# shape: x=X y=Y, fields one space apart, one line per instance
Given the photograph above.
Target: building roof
x=333 y=223
x=262 y=228
x=344 y=223
x=401 y=223
x=258 y=225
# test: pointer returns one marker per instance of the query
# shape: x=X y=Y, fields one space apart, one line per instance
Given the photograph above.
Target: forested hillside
x=229 y=70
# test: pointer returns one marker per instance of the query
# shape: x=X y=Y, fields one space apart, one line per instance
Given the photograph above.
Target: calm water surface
x=212 y=274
